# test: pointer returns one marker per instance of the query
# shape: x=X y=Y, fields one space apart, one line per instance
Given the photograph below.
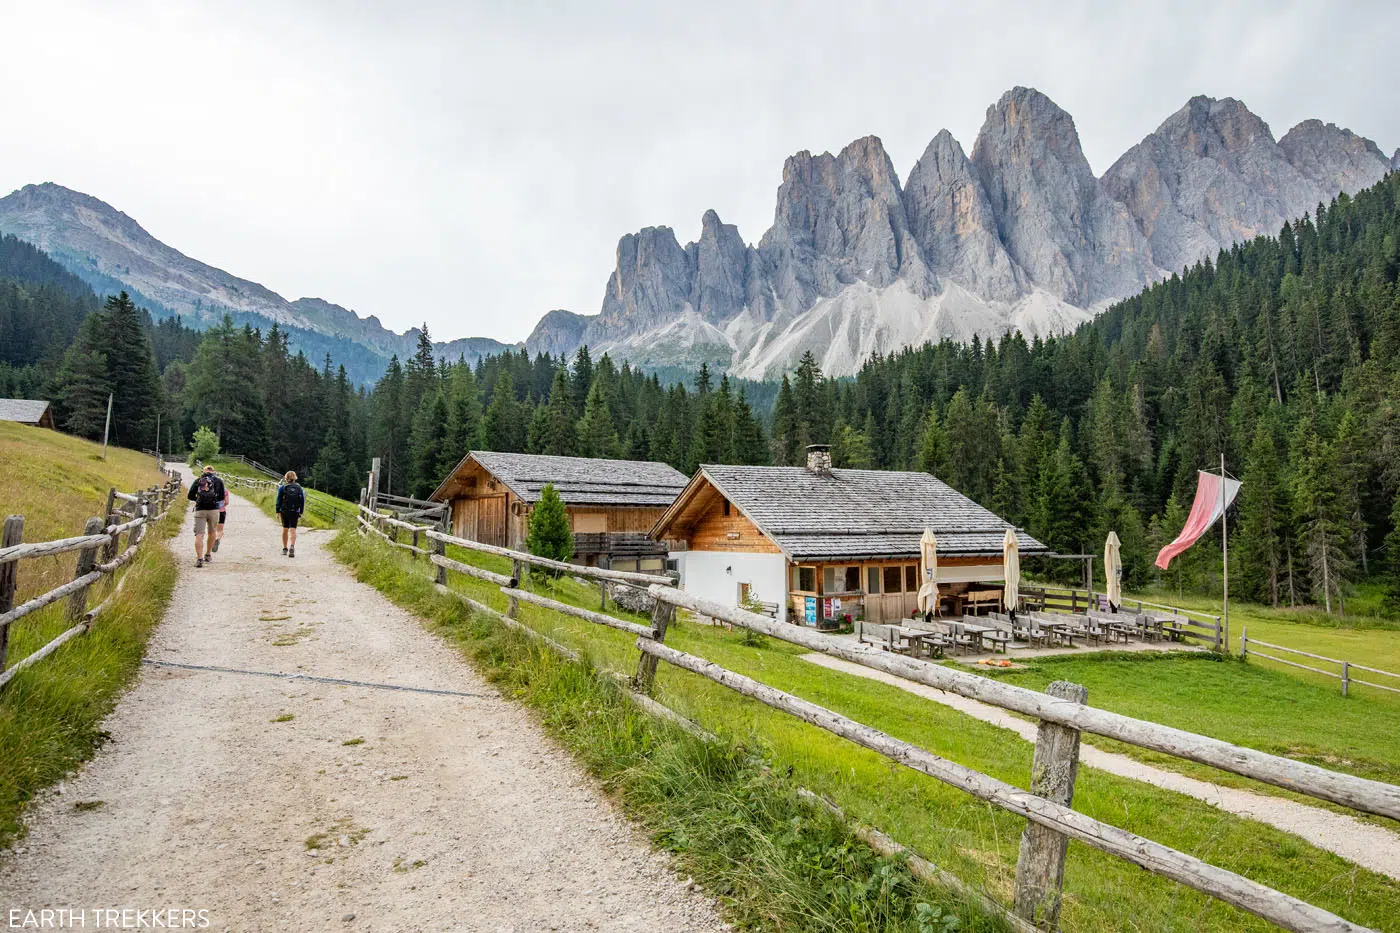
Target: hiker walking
x=223 y=514
x=206 y=493
x=291 y=500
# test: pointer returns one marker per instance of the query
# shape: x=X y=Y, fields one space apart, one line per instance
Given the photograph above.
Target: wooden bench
x=977 y=599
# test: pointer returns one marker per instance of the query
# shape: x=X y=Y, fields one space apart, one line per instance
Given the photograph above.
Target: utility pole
x=157 y=430
x=106 y=428
x=1225 y=555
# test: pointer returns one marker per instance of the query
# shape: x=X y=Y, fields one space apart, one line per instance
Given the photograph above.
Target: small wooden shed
x=611 y=504
x=815 y=542
x=27 y=411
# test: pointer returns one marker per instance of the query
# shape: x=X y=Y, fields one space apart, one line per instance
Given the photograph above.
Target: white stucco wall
x=717 y=574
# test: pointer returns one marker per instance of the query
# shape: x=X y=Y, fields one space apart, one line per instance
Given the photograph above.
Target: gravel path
x=1366 y=844
x=363 y=808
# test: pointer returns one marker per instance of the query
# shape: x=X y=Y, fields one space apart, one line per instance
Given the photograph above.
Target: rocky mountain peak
x=1333 y=158
x=1057 y=223
x=1214 y=129
x=952 y=221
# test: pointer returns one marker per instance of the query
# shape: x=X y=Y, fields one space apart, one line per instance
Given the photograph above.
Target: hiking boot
x=284 y=552
x=209 y=558
x=292 y=551
x=199 y=562
x=216 y=544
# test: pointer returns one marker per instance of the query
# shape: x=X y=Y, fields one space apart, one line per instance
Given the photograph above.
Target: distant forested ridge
x=1283 y=354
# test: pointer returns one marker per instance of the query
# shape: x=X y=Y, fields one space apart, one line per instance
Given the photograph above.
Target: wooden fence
x=99 y=554
x=1062 y=712
x=1344 y=674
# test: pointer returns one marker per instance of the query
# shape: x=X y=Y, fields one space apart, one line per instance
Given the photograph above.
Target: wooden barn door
x=491 y=521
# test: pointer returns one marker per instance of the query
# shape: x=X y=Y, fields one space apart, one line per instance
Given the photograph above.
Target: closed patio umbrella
x=928 y=558
x=1113 y=568
x=1011 y=568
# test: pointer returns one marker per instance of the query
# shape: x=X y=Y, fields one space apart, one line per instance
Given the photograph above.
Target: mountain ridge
x=1019 y=235
x=110 y=250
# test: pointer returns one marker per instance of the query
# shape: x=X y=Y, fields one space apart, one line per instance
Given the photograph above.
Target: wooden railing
x=1344 y=674
x=99 y=554
x=1062 y=712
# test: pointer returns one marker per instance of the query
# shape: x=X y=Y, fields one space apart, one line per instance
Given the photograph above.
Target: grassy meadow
x=975 y=840
x=51 y=714
x=57 y=482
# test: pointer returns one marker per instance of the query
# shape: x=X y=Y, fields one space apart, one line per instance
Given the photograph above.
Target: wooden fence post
x=1244 y=642
x=415 y=544
x=87 y=557
x=142 y=509
x=440 y=549
x=662 y=613
x=603 y=596
x=1040 y=868
x=9 y=573
x=1346 y=676
x=517 y=570
x=109 y=550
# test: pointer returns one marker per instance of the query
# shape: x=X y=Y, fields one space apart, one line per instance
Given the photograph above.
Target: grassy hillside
x=319 y=505
x=51 y=714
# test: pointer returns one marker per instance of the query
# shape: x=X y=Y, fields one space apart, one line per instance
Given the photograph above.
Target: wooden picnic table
x=1060 y=630
x=932 y=642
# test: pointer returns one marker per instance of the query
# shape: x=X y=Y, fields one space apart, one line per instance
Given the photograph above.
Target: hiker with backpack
x=207 y=492
x=291 y=500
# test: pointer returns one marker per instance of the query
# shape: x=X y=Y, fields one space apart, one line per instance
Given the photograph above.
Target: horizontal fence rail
x=1344 y=675
x=101 y=537
x=1046 y=807
x=1191 y=623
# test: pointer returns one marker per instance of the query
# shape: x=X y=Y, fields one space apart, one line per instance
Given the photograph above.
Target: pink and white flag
x=1205 y=512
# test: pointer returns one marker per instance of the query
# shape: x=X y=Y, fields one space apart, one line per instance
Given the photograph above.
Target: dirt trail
x=1366 y=844
x=407 y=810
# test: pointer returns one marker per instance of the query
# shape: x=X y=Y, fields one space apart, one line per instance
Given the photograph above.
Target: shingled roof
x=24 y=410
x=578 y=480
x=839 y=514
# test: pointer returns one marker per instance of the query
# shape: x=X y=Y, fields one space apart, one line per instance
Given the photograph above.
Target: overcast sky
x=473 y=164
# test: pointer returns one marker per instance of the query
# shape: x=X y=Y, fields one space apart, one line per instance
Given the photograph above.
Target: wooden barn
x=612 y=504
x=27 y=411
x=815 y=542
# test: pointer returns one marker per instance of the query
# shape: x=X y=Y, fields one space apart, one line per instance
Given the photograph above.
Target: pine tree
x=933 y=446
x=548 y=534
x=131 y=371
x=428 y=443
x=1263 y=514
x=597 y=433
x=558 y=425
x=505 y=419
x=464 y=418
x=748 y=444
x=82 y=384
x=787 y=439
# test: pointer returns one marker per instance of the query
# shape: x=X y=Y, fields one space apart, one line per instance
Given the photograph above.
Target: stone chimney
x=819 y=458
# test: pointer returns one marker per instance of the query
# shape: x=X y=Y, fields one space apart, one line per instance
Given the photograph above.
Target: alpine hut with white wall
x=611 y=504
x=814 y=542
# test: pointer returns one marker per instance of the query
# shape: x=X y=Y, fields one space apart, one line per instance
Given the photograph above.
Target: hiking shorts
x=222 y=515
x=289 y=519
x=205 y=521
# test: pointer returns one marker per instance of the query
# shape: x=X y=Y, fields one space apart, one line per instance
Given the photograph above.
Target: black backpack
x=293 y=499
x=206 y=493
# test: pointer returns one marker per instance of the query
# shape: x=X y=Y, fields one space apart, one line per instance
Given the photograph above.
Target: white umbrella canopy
x=928 y=558
x=1113 y=568
x=1011 y=567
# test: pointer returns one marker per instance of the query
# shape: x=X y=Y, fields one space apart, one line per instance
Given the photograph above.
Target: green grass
x=973 y=839
x=1247 y=704
x=1363 y=636
x=57 y=482
x=265 y=499
x=51 y=714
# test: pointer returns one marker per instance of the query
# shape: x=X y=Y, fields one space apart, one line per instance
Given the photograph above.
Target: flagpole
x=1225 y=554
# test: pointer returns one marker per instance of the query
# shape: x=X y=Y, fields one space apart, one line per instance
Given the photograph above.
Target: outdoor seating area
x=1027 y=633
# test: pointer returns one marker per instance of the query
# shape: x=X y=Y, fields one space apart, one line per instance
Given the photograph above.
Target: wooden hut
x=611 y=504
x=820 y=543
x=27 y=411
